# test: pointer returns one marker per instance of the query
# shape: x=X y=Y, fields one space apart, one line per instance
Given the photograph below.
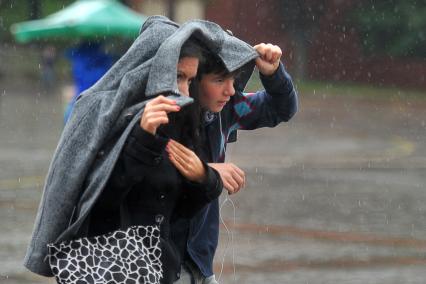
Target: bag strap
x=124 y=215
x=124 y=210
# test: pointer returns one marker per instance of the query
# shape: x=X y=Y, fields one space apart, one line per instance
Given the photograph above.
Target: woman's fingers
x=159 y=120
x=181 y=148
x=176 y=151
x=178 y=164
x=186 y=162
x=155 y=113
x=162 y=99
x=151 y=120
x=165 y=107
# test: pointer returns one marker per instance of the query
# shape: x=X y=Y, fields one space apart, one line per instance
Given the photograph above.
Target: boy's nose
x=229 y=88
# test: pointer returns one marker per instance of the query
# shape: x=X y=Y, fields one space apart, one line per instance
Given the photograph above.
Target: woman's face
x=186 y=72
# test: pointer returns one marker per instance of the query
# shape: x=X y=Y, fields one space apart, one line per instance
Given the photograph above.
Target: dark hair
x=212 y=64
x=185 y=125
x=191 y=49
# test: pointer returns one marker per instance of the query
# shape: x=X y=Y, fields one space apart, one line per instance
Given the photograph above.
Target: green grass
x=357 y=90
x=322 y=88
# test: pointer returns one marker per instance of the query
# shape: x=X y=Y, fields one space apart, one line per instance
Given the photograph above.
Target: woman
x=155 y=185
x=96 y=141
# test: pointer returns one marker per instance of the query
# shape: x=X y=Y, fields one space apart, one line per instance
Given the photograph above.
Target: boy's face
x=215 y=91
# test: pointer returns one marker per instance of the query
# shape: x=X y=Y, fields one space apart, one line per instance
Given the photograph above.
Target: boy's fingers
x=238 y=170
x=260 y=48
x=233 y=184
x=268 y=55
x=228 y=187
x=237 y=178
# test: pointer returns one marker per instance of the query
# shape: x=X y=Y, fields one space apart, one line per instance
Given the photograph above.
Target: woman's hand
x=269 y=58
x=155 y=113
x=186 y=161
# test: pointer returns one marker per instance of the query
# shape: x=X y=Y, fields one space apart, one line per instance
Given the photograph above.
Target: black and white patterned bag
x=123 y=256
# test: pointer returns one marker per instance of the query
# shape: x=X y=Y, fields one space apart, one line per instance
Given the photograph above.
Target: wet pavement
x=337 y=195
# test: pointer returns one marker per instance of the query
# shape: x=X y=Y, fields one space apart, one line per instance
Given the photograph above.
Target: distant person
x=89 y=63
x=48 y=58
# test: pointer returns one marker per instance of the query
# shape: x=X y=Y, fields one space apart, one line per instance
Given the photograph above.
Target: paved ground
x=335 y=196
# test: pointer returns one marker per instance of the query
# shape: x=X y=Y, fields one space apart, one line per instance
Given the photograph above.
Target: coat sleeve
x=141 y=154
x=278 y=102
x=197 y=195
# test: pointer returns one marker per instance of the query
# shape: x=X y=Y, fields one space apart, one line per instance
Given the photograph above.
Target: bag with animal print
x=123 y=256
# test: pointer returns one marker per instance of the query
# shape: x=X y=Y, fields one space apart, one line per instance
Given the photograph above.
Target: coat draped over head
x=104 y=116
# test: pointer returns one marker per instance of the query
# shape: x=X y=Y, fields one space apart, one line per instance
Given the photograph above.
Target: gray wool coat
x=103 y=118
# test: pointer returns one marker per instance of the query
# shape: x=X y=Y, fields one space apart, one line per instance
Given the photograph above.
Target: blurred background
x=336 y=195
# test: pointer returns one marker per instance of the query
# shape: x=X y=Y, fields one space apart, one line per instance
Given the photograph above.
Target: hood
x=158 y=47
x=233 y=52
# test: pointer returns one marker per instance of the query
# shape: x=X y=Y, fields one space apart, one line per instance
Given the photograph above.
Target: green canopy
x=83 y=18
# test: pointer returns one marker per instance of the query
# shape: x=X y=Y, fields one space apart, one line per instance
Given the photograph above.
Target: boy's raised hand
x=269 y=58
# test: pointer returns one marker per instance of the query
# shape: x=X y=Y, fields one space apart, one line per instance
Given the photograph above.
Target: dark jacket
x=245 y=111
x=103 y=118
x=153 y=192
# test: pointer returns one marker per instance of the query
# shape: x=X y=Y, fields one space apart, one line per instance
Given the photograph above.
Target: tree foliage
x=300 y=18
x=392 y=27
x=13 y=11
x=302 y=15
